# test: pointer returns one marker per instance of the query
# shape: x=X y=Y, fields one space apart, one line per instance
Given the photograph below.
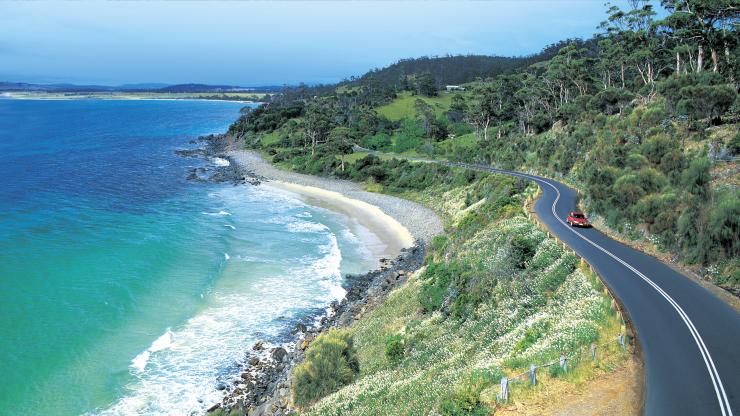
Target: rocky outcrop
x=263 y=388
x=219 y=165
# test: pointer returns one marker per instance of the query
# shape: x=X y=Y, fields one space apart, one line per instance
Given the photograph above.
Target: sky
x=255 y=43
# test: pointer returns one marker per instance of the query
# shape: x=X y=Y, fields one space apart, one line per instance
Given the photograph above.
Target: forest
x=642 y=119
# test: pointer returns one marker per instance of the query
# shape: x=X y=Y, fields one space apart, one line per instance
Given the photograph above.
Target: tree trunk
x=622 y=74
x=700 y=58
x=341 y=157
x=728 y=62
x=678 y=63
x=485 y=129
x=715 y=61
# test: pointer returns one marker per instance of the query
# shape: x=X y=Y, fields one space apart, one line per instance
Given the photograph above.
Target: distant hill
x=142 y=87
x=459 y=69
x=204 y=88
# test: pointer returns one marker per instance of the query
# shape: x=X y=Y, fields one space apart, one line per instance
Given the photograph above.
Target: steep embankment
x=496 y=296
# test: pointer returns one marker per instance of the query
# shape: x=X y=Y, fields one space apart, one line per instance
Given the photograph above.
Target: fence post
x=504 y=395
x=563 y=363
x=620 y=339
x=593 y=351
x=533 y=375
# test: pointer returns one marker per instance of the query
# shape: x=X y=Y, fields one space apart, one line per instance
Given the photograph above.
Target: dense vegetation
x=330 y=364
x=497 y=294
x=643 y=118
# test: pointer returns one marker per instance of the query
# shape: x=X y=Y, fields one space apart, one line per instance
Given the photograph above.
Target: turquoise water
x=124 y=288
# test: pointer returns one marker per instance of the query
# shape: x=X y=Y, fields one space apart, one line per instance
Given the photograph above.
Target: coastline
x=394 y=230
x=380 y=233
x=421 y=222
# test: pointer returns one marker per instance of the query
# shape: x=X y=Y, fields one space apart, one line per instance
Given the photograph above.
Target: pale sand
x=382 y=235
x=385 y=224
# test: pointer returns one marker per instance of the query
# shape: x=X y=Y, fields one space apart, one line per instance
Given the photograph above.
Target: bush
x=734 y=145
x=702 y=95
x=380 y=141
x=436 y=286
x=522 y=249
x=612 y=100
x=556 y=371
x=724 y=224
x=330 y=364
x=395 y=348
x=409 y=137
x=465 y=400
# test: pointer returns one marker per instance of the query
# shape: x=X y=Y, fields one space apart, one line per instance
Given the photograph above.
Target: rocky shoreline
x=220 y=167
x=262 y=386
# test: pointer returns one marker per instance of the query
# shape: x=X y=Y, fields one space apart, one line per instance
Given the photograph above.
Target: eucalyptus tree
x=339 y=142
x=709 y=24
x=318 y=122
x=639 y=35
x=568 y=74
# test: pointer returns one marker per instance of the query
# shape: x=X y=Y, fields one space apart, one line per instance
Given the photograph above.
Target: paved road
x=689 y=338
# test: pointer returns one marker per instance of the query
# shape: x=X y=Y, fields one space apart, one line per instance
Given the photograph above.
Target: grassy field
x=403 y=106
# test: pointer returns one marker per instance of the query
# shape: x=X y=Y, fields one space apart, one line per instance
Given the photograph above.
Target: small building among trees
x=451 y=88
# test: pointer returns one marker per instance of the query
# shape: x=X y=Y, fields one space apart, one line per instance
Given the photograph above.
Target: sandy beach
x=386 y=224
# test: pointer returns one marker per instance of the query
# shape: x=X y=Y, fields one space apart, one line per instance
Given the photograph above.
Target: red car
x=577 y=219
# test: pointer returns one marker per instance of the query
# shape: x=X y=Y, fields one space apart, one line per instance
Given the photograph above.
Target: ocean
x=126 y=289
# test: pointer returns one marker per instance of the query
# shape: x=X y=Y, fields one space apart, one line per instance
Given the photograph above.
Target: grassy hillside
x=404 y=105
x=495 y=296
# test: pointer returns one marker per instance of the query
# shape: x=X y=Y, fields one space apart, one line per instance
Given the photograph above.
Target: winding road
x=690 y=339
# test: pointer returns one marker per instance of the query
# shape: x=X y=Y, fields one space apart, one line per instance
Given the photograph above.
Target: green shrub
x=409 y=137
x=724 y=224
x=394 y=347
x=531 y=335
x=380 y=141
x=522 y=249
x=734 y=145
x=556 y=370
x=436 y=286
x=465 y=399
x=698 y=95
x=439 y=243
x=330 y=364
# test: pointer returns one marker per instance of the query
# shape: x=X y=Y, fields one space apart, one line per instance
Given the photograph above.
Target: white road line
x=719 y=389
x=724 y=403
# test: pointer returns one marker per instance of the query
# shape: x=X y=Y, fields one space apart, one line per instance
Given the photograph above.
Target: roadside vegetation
x=642 y=118
x=495 y=296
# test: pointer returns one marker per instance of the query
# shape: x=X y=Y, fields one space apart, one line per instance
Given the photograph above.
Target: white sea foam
x=178 y=374
x=219 y=161
x=163 y=342
x=221 y=213
x=230 y=226
x=306 y=227
x=226 y=256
